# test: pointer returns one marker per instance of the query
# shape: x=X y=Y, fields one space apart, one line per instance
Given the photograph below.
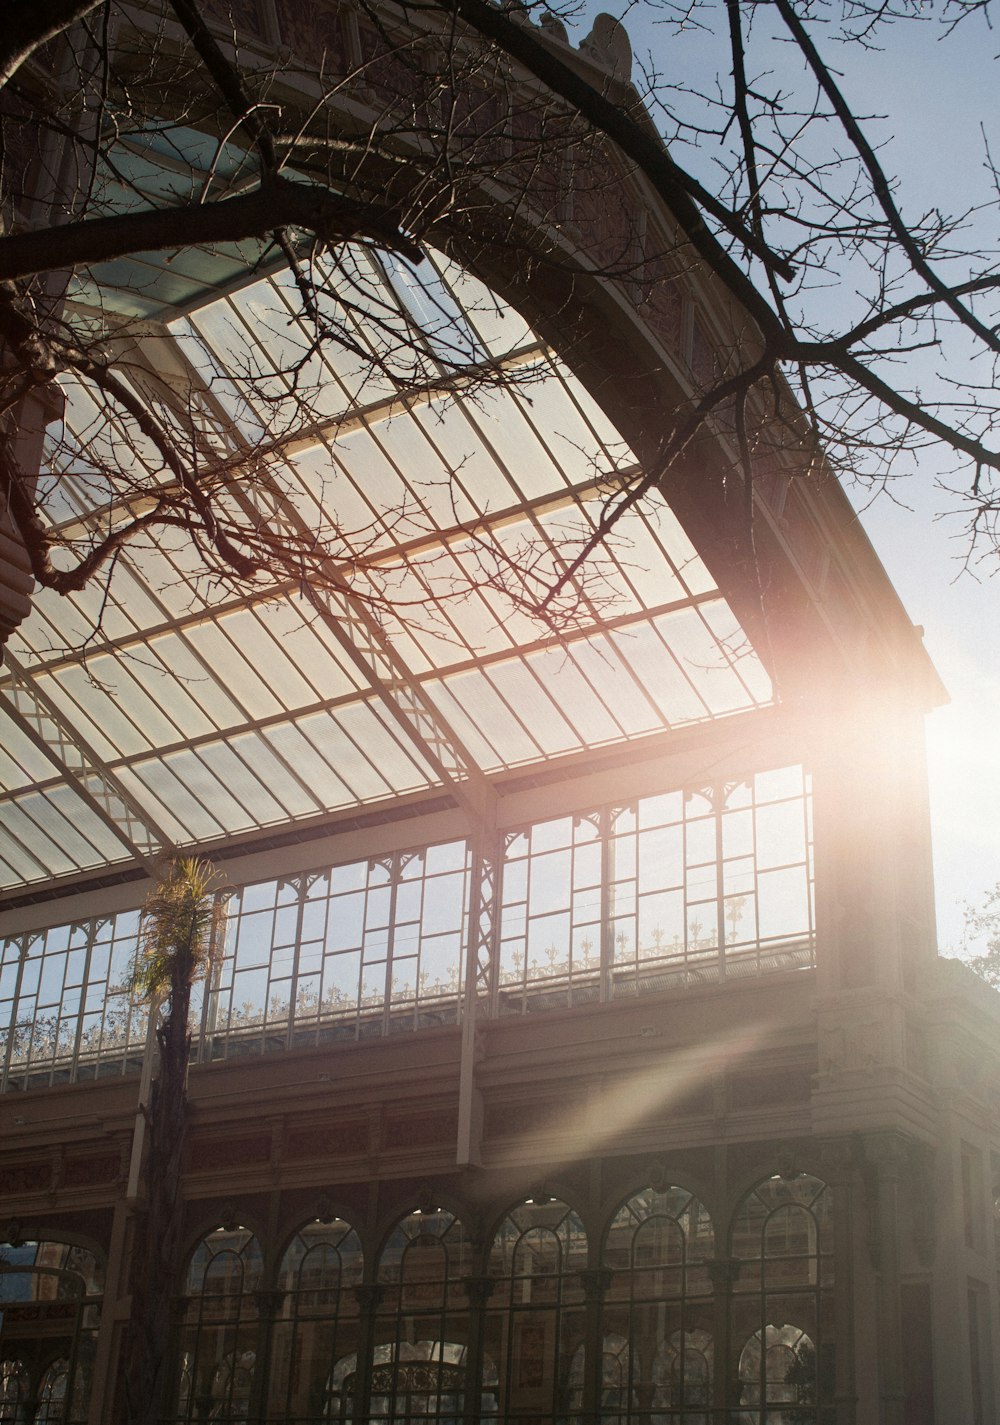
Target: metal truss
x=44 y=725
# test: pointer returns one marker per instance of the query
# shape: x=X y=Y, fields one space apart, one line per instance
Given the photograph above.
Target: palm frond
x=180 y=922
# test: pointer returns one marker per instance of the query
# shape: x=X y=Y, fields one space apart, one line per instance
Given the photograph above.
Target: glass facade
x=682 y=888
x=314 y=1338
x=363 y=948
x=535 y=1319
x=538 y=1324
x=658 y=1341
x=782 y=1305
x=687 y=887
x=50 y=1302
x=66 y=1007
x=218 y=1332
x=421 y=1321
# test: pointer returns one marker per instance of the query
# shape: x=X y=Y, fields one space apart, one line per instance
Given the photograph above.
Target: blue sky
x=932 y=102
x=936 y=95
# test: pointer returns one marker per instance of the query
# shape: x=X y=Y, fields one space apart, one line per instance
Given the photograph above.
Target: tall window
x=14 y=1390
x=657 y=1323
x=316 y=1323
x=66 y=1009
x=218 y=1332
x=683 y=887
x=679 y=888
x=782 y=1302
x=361 y=949
x=52 y=1393
x=535 y=1318
x=422 y=1329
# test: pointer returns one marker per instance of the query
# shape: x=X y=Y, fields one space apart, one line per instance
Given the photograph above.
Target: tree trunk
x=158 y=1225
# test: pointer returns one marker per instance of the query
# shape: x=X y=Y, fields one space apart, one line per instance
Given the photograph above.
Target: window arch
x=316 y=1320
x=659 y=1301
x=535 y=1318
x=50 y=1295
x=52 y=1393
x=778 y=1367
x=422 y=1322
x=782 y=1301
x=14 y=1389
x=218 y=1331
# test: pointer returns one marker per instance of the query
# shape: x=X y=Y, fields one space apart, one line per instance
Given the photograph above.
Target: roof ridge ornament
x=609 y=46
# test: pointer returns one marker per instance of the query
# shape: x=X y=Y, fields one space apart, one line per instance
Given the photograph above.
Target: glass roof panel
x=591 y=718
x=669 y=684
x=483 y=721
x=625 y=697
x=310 y=645
x=372 y=757
x=725 y=629
x=498 y=327
x=705 y=660
x=57 y=832
x=255 y=777
x=22 y=764
x=223 y=713
x=115 y=719
x=183 y=796
x=484 y=484
x=533 y=707
x=301 y=745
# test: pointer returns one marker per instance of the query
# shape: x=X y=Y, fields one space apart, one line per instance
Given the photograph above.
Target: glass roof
x=167 y=701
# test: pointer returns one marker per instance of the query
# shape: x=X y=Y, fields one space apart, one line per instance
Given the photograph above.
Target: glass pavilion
x=571 y=1040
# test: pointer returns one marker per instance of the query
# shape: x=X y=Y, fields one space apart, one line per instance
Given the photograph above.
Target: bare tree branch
x=29 y=24
x=277 y=202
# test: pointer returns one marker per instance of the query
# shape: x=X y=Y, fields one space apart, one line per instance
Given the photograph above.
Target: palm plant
x=180 y=929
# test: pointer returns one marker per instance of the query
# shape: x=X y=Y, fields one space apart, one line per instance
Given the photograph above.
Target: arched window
x=422 y=1329
x=49 y=1308
x=317 y=1320
x=778 y=1367
x=659 y=1300
x=535 y=1318
x=782 y=1302
x=682 y=1375
x=218 y=1332
x=14 y=1387
x=52 y=1394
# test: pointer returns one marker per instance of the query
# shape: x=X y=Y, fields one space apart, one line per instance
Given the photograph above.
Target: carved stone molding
x=479 y=1289
x=889 y=1153
x=368 y=1296
x=924 y=1218
x=724 y=1272
x=426 y=1197
x=838 y=1161
x=12 y=1233
x=786 y=1163
x=657 y=1177
x=269 y=1303
x=596 y=1281
x=228 y=1219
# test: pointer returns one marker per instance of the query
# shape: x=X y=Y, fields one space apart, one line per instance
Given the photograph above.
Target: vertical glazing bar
x=92 y=927
x=478 y=989
x=607 y=823
x=718 y=795
x=210 y=998
x=301 y=884
x=8 y=1053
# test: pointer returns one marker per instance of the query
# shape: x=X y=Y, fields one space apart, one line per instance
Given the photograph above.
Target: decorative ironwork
x=68 y=751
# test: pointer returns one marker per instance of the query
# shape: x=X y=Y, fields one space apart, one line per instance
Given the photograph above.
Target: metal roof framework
x=160 y=711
